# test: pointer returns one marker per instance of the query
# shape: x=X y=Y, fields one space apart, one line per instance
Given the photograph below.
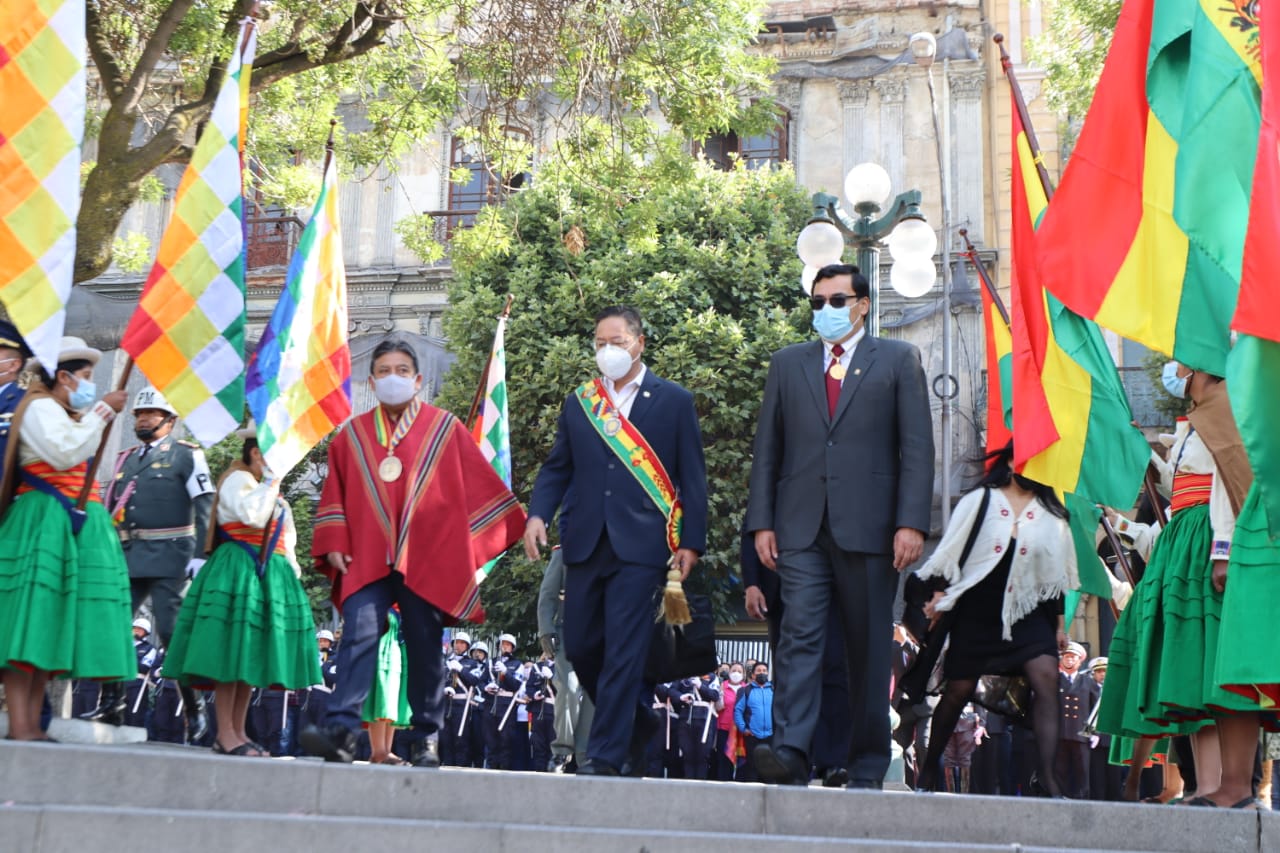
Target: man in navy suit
x=841 y=492
x=13 y=355
x=617 y=545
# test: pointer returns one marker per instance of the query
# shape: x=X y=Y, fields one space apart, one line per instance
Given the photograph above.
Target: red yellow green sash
x=626 y=442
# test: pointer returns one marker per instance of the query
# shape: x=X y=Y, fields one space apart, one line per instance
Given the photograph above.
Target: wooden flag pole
x=478 y=400
x=1020 y=105
x=89 y=478
x=971 y=253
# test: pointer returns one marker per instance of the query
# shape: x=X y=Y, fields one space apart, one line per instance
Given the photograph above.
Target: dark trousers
x=455 y=745
x=496 y=746
x=1106 y=780
x=1073 y=768
x=608 y=626
x=166 y=599
x=168 y=724
x=723 y=768
x=833 y=735
x=747 y=770
x=861 y=587
x=364 y=618
x=695 y=750
x=542 y=732
x=993 y=766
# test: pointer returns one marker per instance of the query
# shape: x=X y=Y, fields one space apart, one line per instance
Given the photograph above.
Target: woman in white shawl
x=1005 y=601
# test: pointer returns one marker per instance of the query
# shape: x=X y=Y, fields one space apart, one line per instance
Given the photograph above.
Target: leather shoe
x=596 y=768
x=193 y=709
x=426 y=753
x=332 y=743
x=864 y=785
x=835 y=777
x=111 y=705
x=782 y=766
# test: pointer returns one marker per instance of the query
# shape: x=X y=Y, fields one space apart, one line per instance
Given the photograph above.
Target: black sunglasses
x=836 y=300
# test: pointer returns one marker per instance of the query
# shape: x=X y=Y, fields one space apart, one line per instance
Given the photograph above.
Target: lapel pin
x=646 y=394
x=857 y=371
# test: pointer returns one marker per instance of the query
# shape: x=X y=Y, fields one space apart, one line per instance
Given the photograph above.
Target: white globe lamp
x=807 y=276
x=913 y=277
x=867 y=183
x=913 y=238
x=820 y=243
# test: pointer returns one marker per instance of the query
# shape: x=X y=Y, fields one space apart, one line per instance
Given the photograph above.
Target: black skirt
x=978 y=646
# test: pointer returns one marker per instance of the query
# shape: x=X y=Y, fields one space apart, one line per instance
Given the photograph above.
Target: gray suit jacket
x=869 y=469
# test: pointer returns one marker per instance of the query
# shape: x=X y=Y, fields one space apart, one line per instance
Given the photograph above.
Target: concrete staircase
x=60 y=798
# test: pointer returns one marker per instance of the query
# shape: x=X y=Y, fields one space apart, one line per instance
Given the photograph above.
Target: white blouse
x=243 y=499
x=1044 y=564
x=48 y=434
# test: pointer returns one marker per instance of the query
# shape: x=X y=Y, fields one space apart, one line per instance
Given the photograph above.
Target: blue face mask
x=832 y=324
x=83 y=395
x=1173 y=383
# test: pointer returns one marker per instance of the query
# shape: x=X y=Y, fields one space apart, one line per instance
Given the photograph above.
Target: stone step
x=195 y=784
x=82 y=731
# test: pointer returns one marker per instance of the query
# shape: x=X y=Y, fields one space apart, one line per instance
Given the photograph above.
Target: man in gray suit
x=841 y=492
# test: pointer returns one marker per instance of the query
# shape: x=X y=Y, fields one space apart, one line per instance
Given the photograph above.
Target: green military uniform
x=160 y=497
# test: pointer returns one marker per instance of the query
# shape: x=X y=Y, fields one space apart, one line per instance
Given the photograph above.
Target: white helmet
x=144 y=624
x=481 y=647
x=507 y=638
x=463 y=636
x=324 y=634
x=150 y=398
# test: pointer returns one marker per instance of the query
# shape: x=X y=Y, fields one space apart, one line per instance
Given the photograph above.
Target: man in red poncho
x=409 y=513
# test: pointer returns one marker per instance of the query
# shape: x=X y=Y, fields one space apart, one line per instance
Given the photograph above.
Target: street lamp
x=924 y=47
x=822 y=241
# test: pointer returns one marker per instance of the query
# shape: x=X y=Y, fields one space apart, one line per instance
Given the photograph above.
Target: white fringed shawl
x=1044 y=566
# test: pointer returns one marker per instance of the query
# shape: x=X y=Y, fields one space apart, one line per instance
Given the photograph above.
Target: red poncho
x=446 y=516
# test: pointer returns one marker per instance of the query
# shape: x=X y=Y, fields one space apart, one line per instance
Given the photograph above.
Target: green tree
x=1072 y=51
x=398 y=69
x=707 y=257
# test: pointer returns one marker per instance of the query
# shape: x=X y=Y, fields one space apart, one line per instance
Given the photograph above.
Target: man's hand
x=535 y=537
x=1219 y=576
x=338 y=561
x=756 y=608
x=908 y=545
x=684 y=560
x=767 y=549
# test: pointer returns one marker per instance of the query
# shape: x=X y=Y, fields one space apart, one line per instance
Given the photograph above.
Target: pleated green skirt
x=1248 y=653
x=64 y=598
x=1161 y=678
x=389 y=697
x=237 y=627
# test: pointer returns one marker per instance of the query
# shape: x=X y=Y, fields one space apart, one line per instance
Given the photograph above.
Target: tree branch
x=100 y=49
x=230 y=30
x=279 y=64
x=154 y=49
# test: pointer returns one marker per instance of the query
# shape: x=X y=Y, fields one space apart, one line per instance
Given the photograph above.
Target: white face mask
x=613 y=361
x=394 y=389
x=735 y=677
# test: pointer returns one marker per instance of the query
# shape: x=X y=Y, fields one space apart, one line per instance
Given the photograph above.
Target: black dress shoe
x=332 y=743
x=193 y=709
x=781 y=766
x=865 y=785
x=111 y=705
x=596 y=768
x=426 y=752
x=835 y=777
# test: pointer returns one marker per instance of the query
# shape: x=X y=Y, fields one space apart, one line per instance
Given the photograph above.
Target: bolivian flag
x=1146 y=234
x=999 y=375
x=1071 y=418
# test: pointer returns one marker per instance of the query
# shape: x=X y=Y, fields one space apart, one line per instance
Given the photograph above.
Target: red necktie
x=833 y=384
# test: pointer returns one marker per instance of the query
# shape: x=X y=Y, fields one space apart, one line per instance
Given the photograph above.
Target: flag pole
x=972 y=254
x=478 y=399
x=89 y=478
x=1020 y=104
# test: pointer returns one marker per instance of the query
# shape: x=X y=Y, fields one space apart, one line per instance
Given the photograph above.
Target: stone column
x=967 y=158
x=349 y=210
x=893 y=95
x=854 y=95
x=384 y=238
x=788 y=93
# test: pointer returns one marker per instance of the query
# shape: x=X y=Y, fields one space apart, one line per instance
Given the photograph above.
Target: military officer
x=542 y=712
x=139 y=693
x=13 y=355
x=1077 y=691
x=160 y=495
x=506 y=671
x=458 y=692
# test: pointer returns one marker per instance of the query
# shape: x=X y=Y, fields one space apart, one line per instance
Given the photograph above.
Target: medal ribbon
x=402 y=428
x=639 y=458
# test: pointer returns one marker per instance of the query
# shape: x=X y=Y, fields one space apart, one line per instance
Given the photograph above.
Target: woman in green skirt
x=1163 y=655
x=387 y=706
x=64 y=586
x=246 y=621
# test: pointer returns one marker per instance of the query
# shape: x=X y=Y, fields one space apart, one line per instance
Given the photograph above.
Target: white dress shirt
x=624 y=397
x=846 y=358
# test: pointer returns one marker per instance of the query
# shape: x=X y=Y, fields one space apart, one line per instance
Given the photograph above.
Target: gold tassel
x=675 y=607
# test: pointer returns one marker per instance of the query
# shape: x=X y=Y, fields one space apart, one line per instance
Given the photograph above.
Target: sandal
x=394 y=760
x=1201 y=801
x=248 y=748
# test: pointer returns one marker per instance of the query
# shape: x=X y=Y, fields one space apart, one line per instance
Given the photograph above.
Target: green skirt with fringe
x=64 y=598
x=237 y=627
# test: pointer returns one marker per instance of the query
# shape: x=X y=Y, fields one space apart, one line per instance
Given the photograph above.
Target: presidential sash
x=626 y=442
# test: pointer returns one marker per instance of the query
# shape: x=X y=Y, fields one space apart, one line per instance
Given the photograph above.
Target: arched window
x=481 y=186
x=766 y=149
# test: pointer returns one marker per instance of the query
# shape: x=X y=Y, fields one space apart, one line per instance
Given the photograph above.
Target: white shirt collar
x=634 y=383
x=849 y=345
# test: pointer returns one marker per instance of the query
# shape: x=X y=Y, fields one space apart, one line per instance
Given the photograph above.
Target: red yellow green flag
x=1071 y=419
x=1146 y=233
x=999 y=375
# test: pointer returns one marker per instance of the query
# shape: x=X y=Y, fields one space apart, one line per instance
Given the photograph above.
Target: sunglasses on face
x=835 y=300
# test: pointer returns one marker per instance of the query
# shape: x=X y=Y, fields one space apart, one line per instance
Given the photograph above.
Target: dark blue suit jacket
x=606 y=496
